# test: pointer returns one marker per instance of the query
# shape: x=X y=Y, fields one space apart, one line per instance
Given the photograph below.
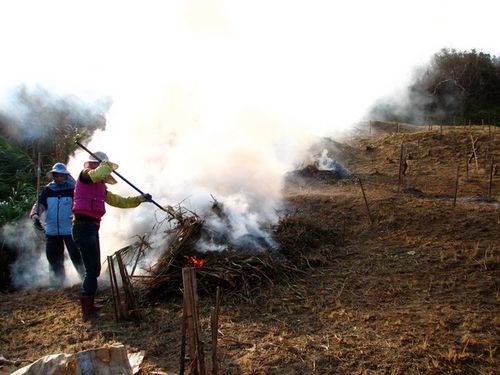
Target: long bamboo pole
x=124 y=179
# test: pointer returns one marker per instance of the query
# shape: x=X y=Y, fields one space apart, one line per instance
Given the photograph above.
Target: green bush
x=17 y=187
x=453 y=87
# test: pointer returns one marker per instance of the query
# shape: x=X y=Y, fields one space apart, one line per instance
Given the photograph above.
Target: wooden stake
x=366 y=201
x=370 y=127
x=456 y=189
x=195 y=346
x=441 y=128
x=397 y=125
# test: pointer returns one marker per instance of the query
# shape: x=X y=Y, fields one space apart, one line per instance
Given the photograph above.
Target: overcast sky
x=316 y=60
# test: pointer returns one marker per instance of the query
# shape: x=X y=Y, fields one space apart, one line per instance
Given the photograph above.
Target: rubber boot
x=89 y=312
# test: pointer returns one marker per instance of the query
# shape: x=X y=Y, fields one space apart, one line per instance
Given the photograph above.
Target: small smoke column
x=326 y=163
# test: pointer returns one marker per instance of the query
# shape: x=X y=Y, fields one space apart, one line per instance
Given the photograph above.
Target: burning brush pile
x=241 y=268
x=321 y=167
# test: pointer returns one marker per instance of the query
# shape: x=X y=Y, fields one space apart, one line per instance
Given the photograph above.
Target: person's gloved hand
x=37 y=223
x=145 y=198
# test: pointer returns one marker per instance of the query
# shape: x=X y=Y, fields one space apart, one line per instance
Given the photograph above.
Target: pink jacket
x=89 y=199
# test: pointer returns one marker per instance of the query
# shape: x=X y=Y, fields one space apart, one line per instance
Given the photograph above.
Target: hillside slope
x=412 y=286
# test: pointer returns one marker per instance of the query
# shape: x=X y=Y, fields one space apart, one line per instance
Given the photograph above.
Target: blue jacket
x=58 y=201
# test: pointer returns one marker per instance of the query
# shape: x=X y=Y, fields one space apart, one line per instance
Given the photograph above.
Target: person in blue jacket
x=56 y=201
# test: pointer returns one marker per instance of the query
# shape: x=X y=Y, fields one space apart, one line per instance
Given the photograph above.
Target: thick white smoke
x=233 y=153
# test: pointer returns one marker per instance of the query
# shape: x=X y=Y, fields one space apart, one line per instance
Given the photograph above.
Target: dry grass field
x=409 y=285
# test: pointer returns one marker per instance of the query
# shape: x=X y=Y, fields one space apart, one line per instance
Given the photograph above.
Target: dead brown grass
x=417 y=291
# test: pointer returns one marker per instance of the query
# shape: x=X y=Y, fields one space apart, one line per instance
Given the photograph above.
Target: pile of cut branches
x=236 y=269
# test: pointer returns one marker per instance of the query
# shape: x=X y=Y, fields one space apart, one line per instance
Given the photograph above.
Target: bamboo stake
x=110 y=260
x=139 y=253
x=474 y=152
x=417 y=152
x=400 y=174
x=215 y=330
x=441 y=128
x=130 y=300
x=456 y=189
x=183 y=342
x=466 y=166
x=366 y=201
x=118 y=300
x=124 y=282
x=491 y=176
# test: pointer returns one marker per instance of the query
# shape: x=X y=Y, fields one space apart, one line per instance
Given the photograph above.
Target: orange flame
x=192 y=261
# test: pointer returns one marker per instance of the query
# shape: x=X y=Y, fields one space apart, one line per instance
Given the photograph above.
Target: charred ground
x=416 y=291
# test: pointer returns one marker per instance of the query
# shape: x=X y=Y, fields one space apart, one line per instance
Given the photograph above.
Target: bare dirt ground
x=415 y=291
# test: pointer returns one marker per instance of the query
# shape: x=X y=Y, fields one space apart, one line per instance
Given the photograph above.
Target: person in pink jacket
x=89 y=206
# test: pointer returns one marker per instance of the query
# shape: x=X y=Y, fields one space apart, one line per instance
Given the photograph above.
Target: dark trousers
x=86 y=236
x=54 y=249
